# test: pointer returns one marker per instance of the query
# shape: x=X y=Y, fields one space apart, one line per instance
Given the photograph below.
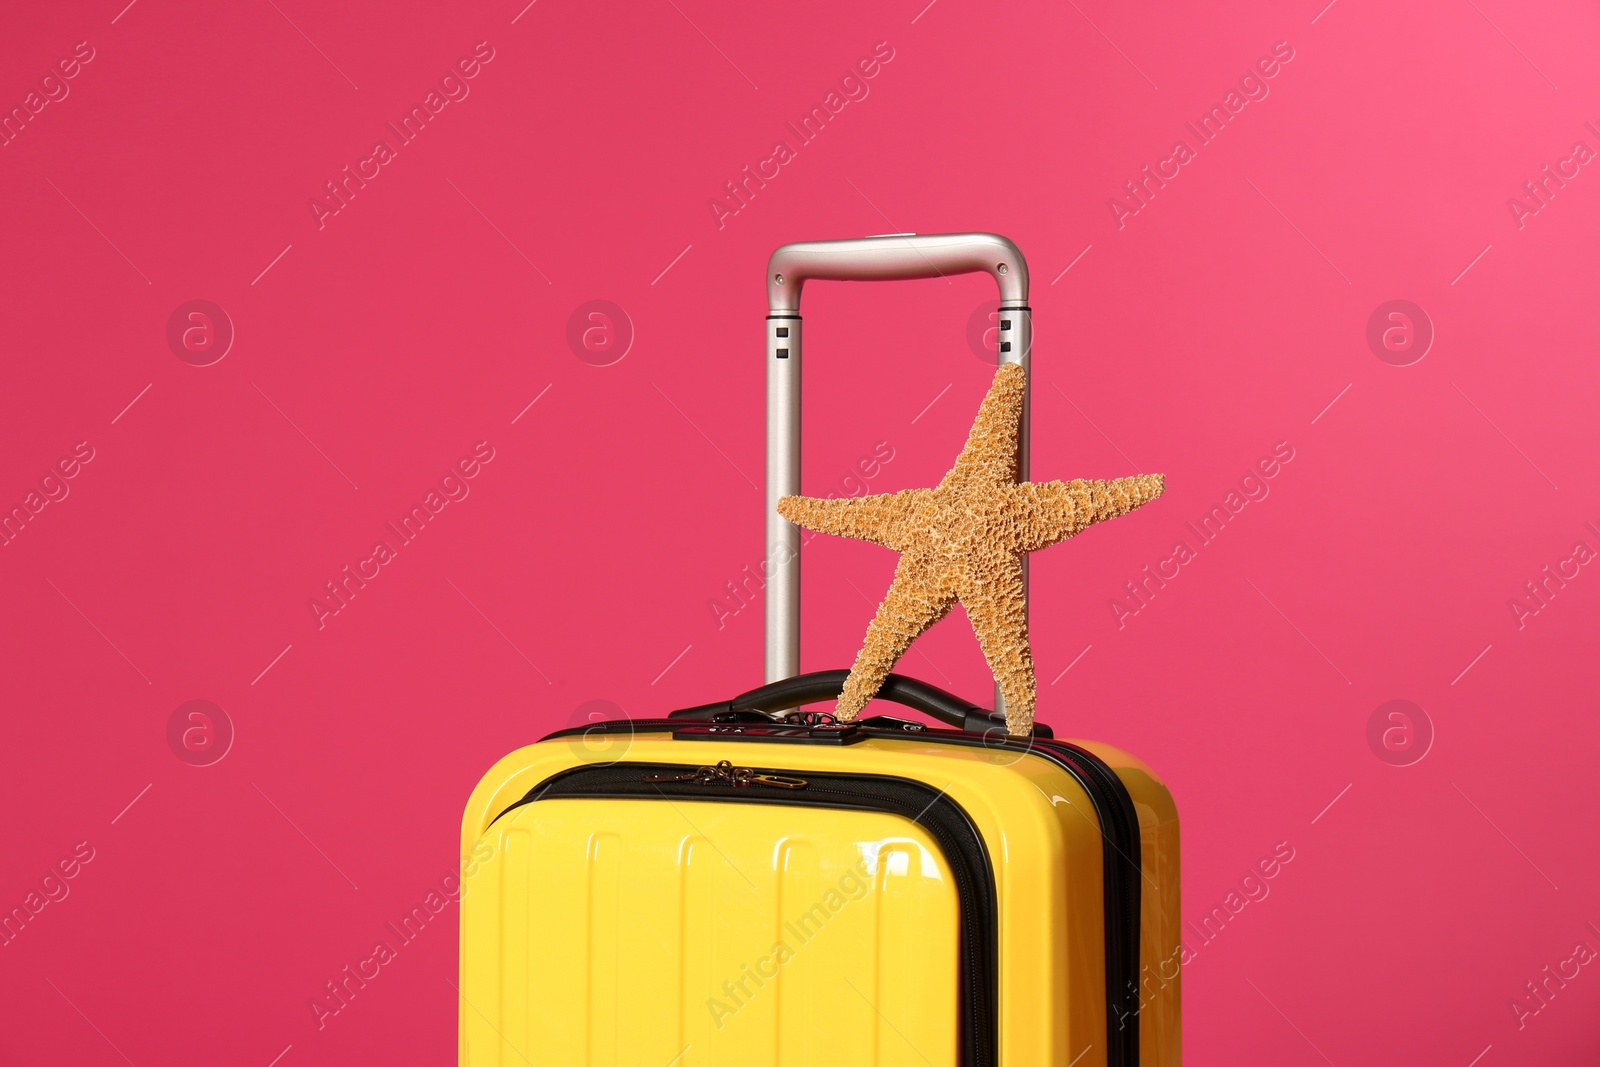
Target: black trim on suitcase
x=945 y=820
x=1123 y=871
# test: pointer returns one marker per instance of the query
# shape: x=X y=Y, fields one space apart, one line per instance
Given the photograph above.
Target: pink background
x=424 y=317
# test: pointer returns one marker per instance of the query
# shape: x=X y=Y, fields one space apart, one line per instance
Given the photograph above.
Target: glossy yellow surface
x=629 y=932
x=1160 y=924
x=619 y=932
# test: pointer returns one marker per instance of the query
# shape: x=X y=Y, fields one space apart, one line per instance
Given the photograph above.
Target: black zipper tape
x=1122 y=851
x=946 y=822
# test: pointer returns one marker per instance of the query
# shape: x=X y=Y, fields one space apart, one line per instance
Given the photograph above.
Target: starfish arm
x=990 y=454
x=880 y=519
x=996 y=602
x=1044 y=513
x=914 y=602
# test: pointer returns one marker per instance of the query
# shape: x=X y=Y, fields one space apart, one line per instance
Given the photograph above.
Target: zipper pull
x=687 y=776
x=725 y=773
x=778 y=781
x=889 y=722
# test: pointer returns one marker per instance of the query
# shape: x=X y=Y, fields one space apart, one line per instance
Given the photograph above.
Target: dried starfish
x=964 y=540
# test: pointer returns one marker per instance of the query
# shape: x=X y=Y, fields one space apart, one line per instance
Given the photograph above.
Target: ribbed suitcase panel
x=694 y=934
x=754 y=935
x=604 y=1002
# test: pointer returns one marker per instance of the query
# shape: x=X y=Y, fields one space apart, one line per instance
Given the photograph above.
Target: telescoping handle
x=889 y=256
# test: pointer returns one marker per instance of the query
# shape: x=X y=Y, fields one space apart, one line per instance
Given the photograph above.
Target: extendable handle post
x=891 y=256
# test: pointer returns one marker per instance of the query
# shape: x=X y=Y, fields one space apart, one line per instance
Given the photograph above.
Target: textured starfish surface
x=964 y=540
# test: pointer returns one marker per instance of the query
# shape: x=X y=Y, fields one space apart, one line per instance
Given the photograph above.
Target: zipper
x=945 y=821
x=725 y=773
x=1123 y=866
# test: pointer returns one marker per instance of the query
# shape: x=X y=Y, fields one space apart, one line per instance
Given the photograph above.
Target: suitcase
x=750 y=883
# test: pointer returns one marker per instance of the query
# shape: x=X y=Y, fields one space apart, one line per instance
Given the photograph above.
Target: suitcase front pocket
x=849 y=920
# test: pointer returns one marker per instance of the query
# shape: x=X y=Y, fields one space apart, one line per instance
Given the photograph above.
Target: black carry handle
x=827 y=685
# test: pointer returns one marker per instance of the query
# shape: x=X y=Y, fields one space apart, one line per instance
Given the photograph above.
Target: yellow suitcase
x=749 y=883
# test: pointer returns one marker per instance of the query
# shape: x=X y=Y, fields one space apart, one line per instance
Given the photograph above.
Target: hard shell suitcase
x=746 y=883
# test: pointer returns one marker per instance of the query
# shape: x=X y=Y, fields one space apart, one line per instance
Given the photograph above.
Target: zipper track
x=1121 y=856
x=1122 y=850
x=945 y=820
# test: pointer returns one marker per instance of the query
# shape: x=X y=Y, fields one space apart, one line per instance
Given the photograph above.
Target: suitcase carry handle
x=887 y=256
x=818 y=686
